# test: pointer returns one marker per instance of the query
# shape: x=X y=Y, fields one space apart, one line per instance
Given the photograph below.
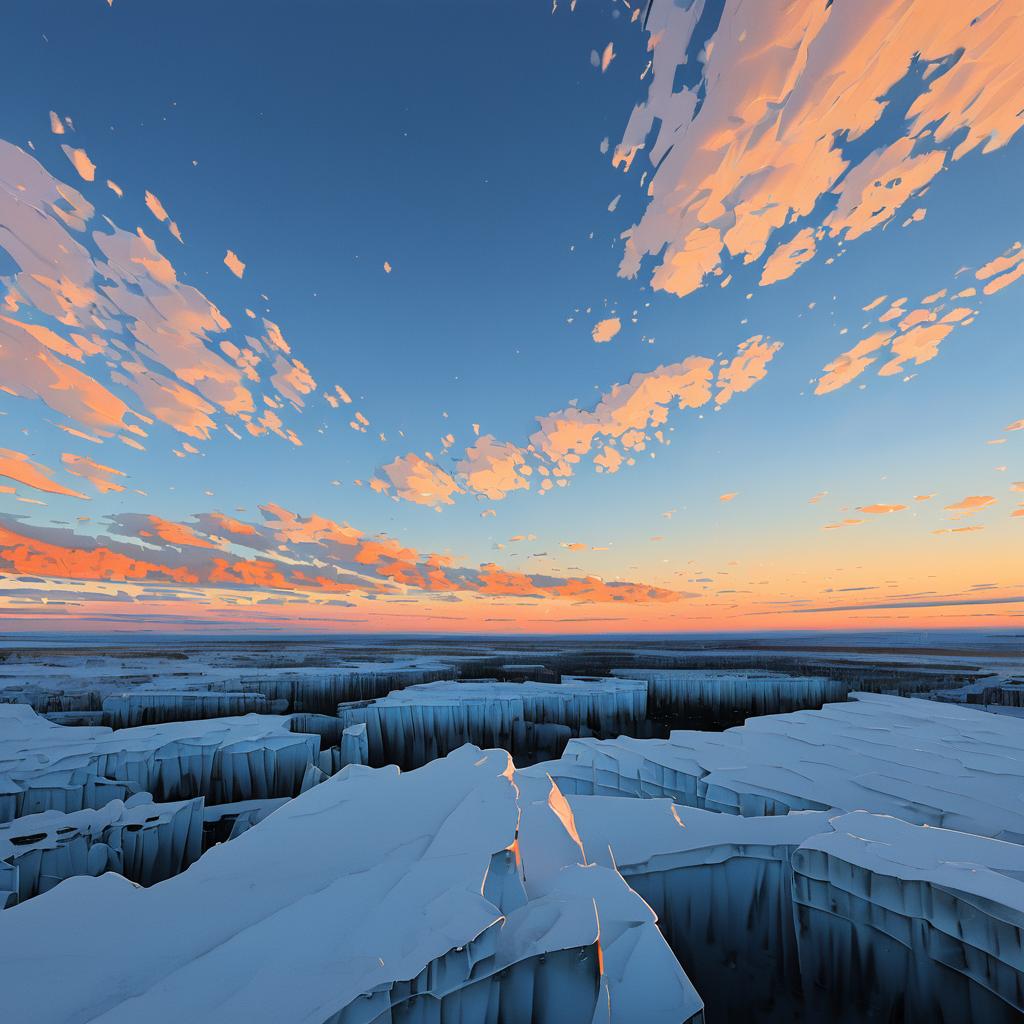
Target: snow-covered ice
x=469 y=897
x=44 y=766
x=922 y=761
x=139 y=839
x=906 y=922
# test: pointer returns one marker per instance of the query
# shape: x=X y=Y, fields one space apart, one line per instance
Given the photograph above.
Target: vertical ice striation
x=51 y=767
x=715 y=693
x=412 y=726
x=151 y=705
x=721 y=886
x=143 y=841
x=905 y=923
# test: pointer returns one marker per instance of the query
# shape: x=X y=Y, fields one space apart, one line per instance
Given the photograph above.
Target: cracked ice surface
x=922 y=761
x=44 y=766
x=414 y=725
x=450 y=888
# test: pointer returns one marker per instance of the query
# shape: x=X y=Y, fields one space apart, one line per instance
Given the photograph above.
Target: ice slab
x=922 y=761
x=376 y=896
x=721 y=886
x=412 y=726
x=44 y=766
x=151 y=705
x=144 y=841
x=908 y=923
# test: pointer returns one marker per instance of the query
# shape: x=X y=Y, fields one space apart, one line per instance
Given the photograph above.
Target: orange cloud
x=493 y=468
x=98 y=475
x=746 y=368
x=1003 y=270
x=26 y=556
x=308 y=554
x=851 y=364
x=419 y=481
x=971 y=504
x=19 y=467
x=789 y=257
x=177 y=534
x=124 y=297
x=81 y=162
x=605 y=330
x=234 y=264
x=844 y=523
x=759 y=140
x=881 y=510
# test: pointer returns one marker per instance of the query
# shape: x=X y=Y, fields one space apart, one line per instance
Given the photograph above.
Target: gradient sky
x=553 y=316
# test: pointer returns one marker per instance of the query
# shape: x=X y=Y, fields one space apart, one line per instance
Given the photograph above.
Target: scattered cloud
x=234 y=264
x=761 y=135
x=19 y=467
x=605 y=330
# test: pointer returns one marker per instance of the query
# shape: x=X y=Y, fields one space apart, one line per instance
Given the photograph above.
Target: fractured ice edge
x=864 y=861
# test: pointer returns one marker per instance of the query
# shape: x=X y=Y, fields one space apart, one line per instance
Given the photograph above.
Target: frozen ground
x=713 y=829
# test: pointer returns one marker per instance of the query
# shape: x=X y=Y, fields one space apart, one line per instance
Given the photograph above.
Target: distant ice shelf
x=412 y=726
x=715 y=693
x=448 y=893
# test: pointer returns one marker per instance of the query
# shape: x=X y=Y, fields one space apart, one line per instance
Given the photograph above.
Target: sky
x=547 y=316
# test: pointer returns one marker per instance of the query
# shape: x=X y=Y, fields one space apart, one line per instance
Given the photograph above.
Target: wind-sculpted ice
x=448 y=893
x=64 y=768
x=922 y=761
x=749 y=692
x=412 y=726
x=899 y=922
x=144 y=841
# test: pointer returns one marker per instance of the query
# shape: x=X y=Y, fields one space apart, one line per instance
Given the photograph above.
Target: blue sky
x=462 y=144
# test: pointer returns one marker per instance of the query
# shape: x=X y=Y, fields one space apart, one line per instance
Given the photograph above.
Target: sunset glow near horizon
x=553 y=316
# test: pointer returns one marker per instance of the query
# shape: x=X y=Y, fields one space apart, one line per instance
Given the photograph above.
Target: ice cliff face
x=412 y=726
x=471 y=898
x=51 y=767
x=748 y=692
x=144 y=841
x=897 y=921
